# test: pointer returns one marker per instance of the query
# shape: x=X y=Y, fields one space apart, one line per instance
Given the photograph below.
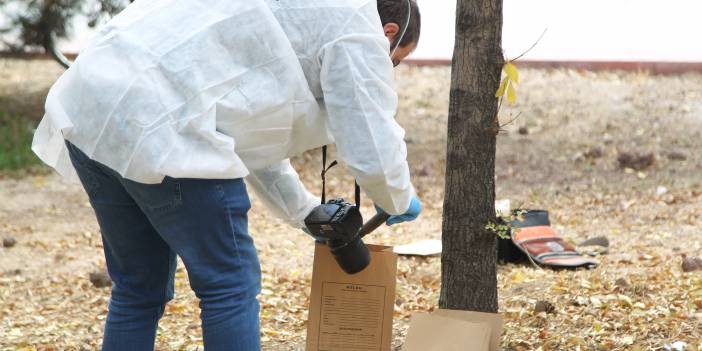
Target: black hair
x=395 y=11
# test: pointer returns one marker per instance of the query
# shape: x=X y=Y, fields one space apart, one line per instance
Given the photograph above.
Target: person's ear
x=392 y=30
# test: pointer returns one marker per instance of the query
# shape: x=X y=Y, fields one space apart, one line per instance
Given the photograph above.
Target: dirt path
x=573 y=128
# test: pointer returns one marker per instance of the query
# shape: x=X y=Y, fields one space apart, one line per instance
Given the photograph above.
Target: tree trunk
x=468 y=262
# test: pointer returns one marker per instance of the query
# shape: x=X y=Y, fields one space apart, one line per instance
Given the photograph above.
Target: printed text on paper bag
x=351 y=316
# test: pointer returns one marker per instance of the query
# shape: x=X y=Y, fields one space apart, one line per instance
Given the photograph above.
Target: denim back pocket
x=156 y=198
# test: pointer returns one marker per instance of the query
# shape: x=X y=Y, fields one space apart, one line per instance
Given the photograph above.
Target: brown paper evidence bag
x=451 y=330
x=352 y=312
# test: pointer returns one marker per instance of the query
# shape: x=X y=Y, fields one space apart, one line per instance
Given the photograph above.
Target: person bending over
x=174 y=103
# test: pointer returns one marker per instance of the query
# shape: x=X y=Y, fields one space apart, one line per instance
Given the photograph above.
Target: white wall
x=626 y=30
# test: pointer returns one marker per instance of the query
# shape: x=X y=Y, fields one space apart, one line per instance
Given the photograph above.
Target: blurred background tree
x=33 y=24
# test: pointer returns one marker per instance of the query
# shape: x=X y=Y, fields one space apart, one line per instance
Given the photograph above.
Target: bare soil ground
x=573 y=127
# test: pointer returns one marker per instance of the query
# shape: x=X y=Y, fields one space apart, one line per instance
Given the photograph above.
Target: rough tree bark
x=468 y=262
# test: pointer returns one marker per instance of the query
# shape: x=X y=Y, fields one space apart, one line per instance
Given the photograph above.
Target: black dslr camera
x=338 y=224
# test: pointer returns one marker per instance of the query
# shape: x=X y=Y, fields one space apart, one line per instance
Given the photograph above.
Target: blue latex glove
x=412 y=213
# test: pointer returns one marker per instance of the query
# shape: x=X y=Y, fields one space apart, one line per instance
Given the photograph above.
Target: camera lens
x=353 y=257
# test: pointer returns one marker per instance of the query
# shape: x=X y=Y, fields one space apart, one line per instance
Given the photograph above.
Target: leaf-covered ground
x=560 y=154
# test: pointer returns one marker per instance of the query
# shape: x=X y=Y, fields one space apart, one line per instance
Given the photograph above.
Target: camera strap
x=357 y=193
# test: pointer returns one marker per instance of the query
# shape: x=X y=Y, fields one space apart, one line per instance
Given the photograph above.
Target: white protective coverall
x=221 y=89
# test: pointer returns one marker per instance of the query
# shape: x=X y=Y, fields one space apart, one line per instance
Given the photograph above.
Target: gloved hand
x=411 y=214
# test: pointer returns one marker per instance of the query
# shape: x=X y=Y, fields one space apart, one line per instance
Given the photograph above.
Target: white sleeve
x=280 y=189
x=357 y=82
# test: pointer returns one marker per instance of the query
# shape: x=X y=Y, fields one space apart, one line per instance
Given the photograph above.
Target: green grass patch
x=15 y=143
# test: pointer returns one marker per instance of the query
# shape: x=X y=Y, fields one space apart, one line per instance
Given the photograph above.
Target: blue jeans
x=144 y=227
